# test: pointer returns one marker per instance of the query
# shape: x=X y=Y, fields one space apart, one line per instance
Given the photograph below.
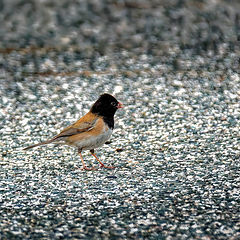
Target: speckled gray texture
x=175 y=66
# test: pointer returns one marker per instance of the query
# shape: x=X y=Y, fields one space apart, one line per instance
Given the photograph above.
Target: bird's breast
x=92 y=139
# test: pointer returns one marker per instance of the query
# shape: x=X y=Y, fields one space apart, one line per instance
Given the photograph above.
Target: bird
x=90 y=131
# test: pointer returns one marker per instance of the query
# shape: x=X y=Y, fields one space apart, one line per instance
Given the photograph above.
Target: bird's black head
x=106 y=106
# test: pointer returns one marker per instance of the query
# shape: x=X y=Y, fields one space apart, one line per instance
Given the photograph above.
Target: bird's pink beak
x=120 y=105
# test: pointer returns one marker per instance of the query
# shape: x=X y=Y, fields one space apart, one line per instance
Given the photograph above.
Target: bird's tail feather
x=39 y=144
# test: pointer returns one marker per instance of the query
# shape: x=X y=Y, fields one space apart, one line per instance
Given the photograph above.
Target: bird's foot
x=88 y=169
x=104 y=166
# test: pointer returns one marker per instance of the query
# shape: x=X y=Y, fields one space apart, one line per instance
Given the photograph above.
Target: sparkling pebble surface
x=176 y=144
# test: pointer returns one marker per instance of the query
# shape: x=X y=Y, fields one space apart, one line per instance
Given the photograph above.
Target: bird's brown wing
x=84 y=124
x=73 y=130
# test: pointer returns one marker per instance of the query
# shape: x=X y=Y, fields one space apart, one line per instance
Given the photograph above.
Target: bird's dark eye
x=114 y=104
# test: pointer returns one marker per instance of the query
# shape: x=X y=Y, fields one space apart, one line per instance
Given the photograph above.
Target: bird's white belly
x=94 y=141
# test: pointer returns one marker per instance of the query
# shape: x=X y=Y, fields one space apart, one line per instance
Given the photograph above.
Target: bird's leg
x=102 y=165
x=83 y=163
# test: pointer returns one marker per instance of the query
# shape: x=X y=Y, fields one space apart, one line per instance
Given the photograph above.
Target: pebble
x=175 y=145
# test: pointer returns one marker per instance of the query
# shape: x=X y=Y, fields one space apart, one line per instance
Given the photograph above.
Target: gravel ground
x=174 y=65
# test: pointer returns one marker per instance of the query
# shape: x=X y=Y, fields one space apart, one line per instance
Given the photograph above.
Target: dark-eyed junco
x=90 y=131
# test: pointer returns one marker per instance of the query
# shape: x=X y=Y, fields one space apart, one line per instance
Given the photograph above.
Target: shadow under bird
x=90 y=131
